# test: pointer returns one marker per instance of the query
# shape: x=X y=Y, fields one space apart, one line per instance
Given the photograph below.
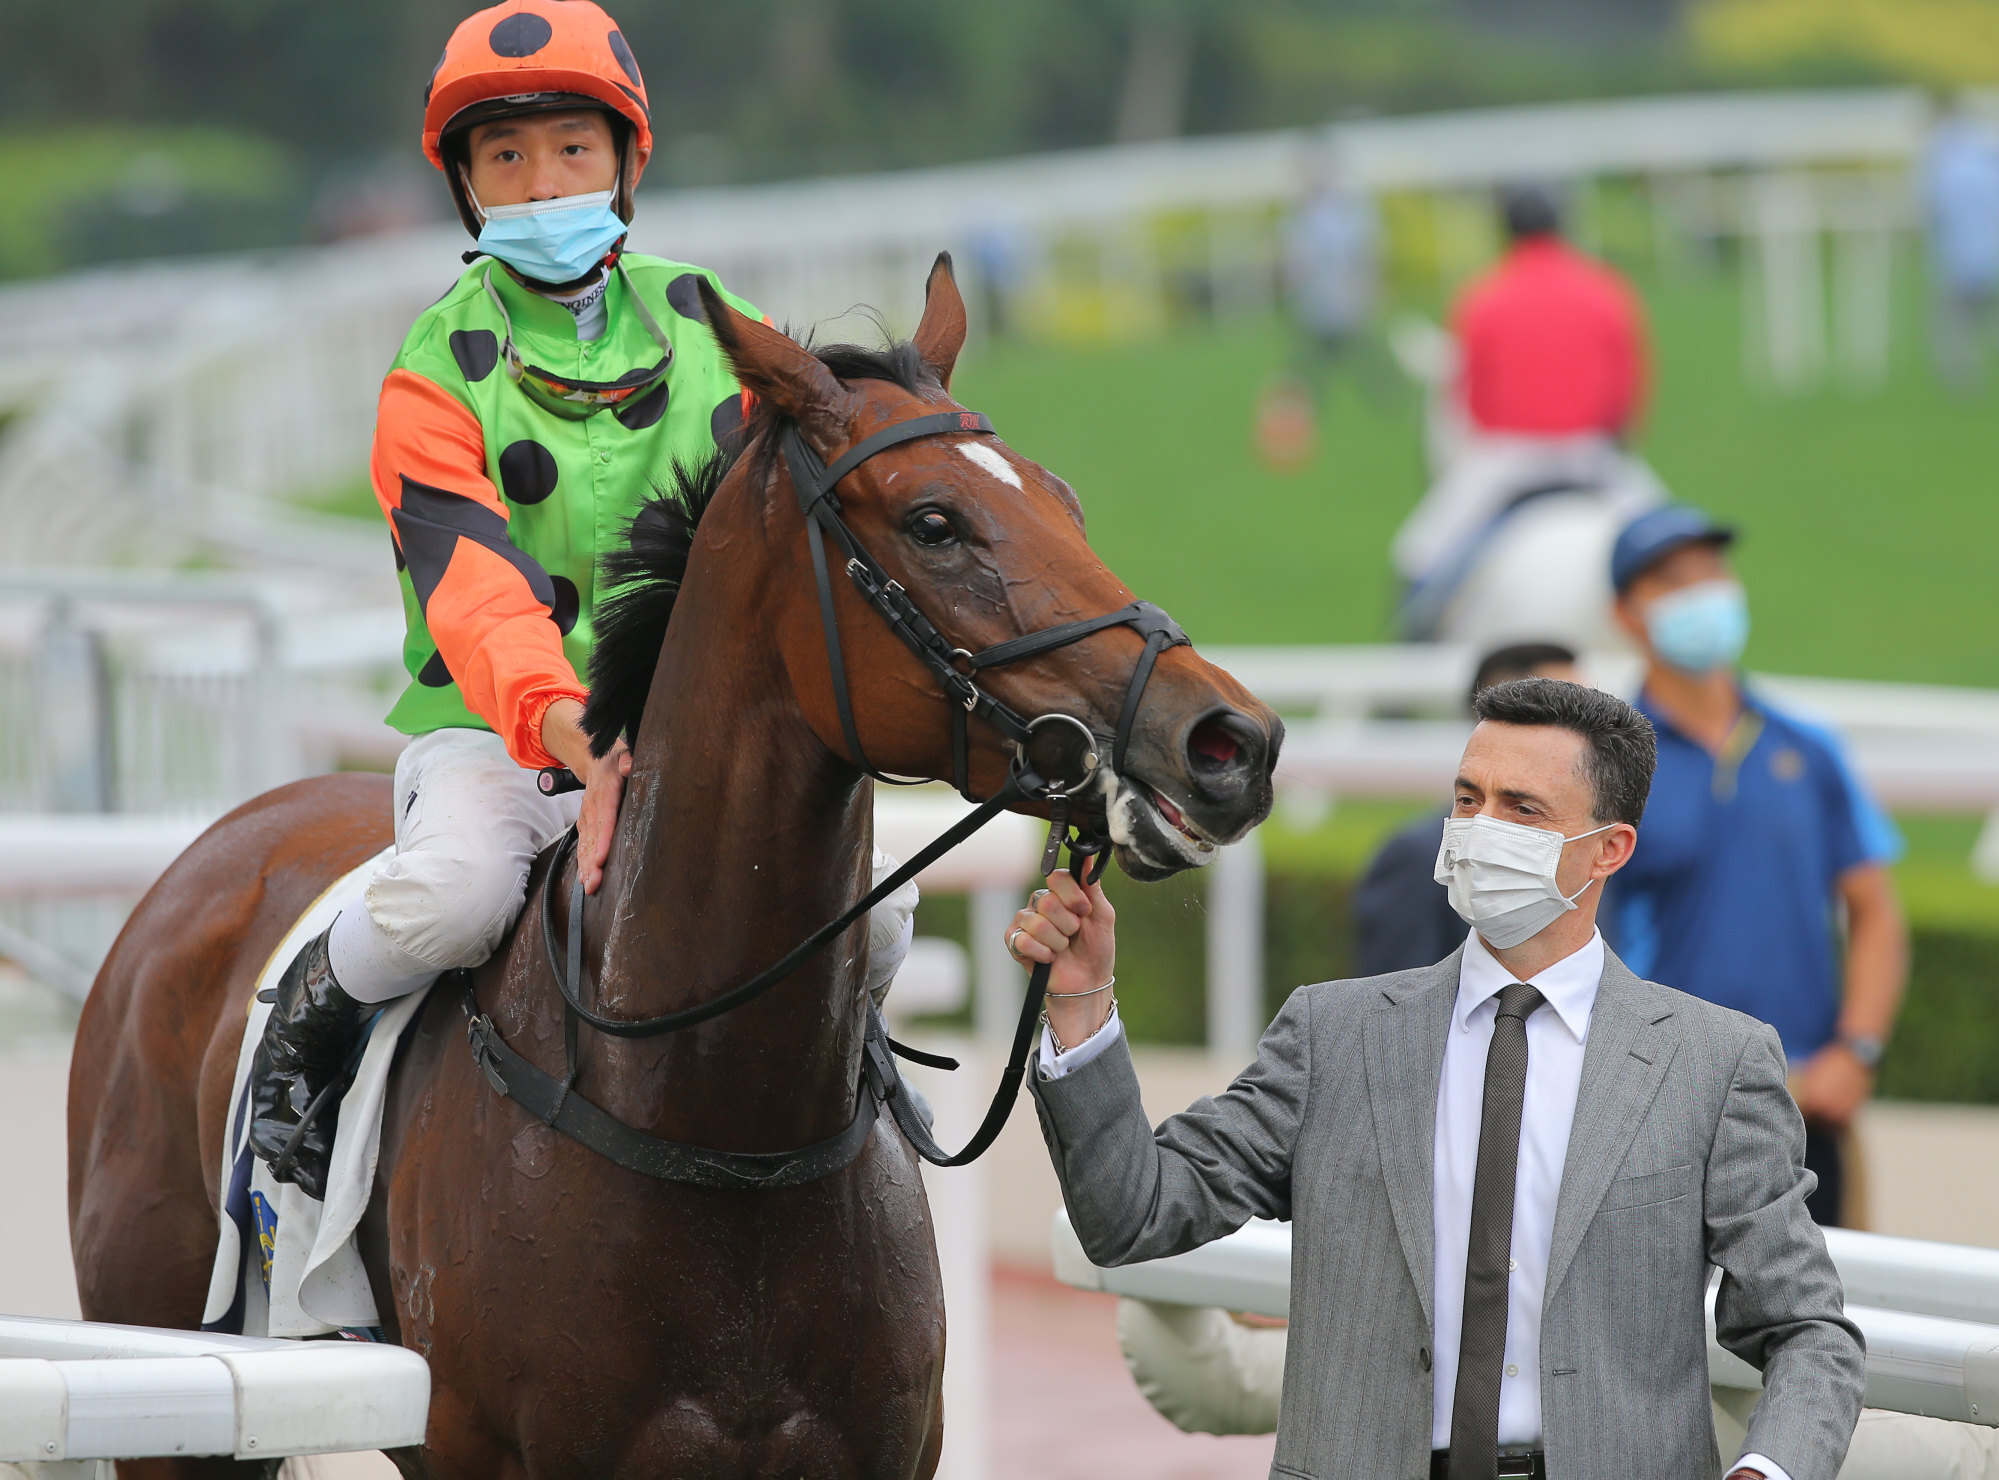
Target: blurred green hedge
x=1946 y=1047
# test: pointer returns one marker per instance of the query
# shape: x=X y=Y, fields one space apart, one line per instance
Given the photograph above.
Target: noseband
x=956 y=671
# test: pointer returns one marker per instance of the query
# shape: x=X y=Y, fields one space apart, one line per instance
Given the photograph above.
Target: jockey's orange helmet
x=534 y=56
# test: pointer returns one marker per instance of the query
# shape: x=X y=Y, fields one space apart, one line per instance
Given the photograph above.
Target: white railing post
x=274 y=757
x=996 y=977
x=1235 y=950
x=964 y=1262
x=71 y=692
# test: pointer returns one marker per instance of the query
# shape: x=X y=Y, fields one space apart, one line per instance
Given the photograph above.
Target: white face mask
x=1501 y=876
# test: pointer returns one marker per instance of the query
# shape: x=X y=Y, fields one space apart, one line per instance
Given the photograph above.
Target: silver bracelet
x=1056 y=1038
x=1065 y=996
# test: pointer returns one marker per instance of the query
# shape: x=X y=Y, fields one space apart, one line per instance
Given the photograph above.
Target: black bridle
x=814 y=482
x=955 y=670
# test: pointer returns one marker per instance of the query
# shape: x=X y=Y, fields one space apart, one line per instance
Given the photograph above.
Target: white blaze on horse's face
x=982 y=456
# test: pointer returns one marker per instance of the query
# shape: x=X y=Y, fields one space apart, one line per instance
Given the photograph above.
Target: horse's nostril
x=1215 y=743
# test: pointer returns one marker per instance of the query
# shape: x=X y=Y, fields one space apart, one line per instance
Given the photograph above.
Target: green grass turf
x=1870 y=519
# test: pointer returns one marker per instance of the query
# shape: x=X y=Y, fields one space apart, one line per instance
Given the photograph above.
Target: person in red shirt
x=1550 y=381
x=1551 y=341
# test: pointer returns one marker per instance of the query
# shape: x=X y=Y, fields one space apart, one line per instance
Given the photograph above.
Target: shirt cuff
x=1052 y=1065
x=528 y=750
x=1769 y=1468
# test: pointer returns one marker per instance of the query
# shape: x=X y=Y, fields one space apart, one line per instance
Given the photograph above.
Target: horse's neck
x=739 y=836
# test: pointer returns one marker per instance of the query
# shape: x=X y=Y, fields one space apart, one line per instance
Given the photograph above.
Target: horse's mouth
x=1154 y=836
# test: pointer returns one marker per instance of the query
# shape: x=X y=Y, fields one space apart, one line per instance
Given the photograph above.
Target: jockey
x=1550 y=349
x=519 y=430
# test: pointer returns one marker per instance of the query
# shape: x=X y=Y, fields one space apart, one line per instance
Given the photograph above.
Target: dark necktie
x=1482 y=1339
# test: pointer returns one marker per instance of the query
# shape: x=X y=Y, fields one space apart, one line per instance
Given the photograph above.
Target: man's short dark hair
x=1516 y=660
x=1622 y=749
x=1529 y=210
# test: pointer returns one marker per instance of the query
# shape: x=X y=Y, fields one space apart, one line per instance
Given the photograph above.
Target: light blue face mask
x=1700 y=628
x=552 y=241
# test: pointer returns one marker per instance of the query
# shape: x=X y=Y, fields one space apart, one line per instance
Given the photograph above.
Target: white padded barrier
x=1910 y=1298
x=51 y=855
x=77 y=1390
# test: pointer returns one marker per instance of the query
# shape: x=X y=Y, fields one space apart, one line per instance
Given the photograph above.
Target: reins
x=553 y=1101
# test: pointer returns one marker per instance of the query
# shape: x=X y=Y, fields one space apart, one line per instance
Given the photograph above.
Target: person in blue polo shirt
x=1757 y=839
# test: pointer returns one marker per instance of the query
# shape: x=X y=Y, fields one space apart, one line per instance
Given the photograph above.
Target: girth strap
x=552 y=1102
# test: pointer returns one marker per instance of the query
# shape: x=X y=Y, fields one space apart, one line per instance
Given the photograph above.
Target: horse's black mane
x=645 y=574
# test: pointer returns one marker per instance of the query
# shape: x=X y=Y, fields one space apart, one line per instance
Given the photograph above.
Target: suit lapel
x=1631 y=1043
x=1405 y=1062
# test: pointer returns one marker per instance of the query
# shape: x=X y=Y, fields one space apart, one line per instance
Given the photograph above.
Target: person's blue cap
x=1657 y=533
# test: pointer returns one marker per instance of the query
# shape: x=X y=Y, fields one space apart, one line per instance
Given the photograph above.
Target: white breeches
x=469 y=824
x=1489 y=471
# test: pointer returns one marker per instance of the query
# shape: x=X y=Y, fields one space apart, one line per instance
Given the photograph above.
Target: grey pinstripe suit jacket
x=1686 y=1151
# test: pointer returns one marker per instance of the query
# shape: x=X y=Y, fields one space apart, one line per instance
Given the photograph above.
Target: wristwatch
x=1865 y=1048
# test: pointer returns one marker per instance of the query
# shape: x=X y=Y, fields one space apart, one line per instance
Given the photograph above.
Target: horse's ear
x=775 y=367
x=942 y=333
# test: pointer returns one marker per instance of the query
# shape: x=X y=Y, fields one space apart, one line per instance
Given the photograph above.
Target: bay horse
x=581 y=1320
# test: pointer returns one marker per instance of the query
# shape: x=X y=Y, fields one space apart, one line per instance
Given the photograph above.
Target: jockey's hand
x=603 y=780
x=1074 y=927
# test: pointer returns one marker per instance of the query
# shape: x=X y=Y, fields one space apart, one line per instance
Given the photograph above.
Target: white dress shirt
x=1052 y=1065
x=1556 y=1037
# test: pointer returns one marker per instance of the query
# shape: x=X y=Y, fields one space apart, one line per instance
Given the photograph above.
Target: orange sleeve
x=488 y=606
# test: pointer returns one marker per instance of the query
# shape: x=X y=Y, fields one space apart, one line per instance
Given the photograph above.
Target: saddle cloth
x=285 y=1263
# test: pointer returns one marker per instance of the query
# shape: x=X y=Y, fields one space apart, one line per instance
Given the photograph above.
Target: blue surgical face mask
x=1700 y=628
x=552 y=241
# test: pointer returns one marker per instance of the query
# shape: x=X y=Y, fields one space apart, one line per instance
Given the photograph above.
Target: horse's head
x=989 y=548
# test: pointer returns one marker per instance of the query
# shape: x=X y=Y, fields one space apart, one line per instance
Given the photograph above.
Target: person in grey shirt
x=1508 y=1174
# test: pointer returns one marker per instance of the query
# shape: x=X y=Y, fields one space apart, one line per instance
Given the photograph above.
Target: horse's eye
x=931 y=527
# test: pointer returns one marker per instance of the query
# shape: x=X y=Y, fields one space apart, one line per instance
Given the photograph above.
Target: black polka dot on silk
x=686 y=298
x=725 y=422
x=433 y=76
x=567 y=604
x=527 y=472
x=636 y=415
x=434 y=675
x=625 y=59
x=477 y=351
x=521 y=35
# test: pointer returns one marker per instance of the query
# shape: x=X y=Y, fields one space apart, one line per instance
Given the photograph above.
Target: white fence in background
x=167 y=411
x=175 y=698
x=75 y=1393
x=1924 y=1308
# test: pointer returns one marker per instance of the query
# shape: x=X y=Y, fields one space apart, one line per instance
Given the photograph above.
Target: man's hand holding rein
x=603 y=779
x=1072 y=926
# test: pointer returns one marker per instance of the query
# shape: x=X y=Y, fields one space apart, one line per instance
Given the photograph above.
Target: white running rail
x=1923 y=1308
x=77 y=1391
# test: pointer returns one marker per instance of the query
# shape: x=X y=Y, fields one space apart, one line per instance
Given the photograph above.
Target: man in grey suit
x=1507 y=1174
